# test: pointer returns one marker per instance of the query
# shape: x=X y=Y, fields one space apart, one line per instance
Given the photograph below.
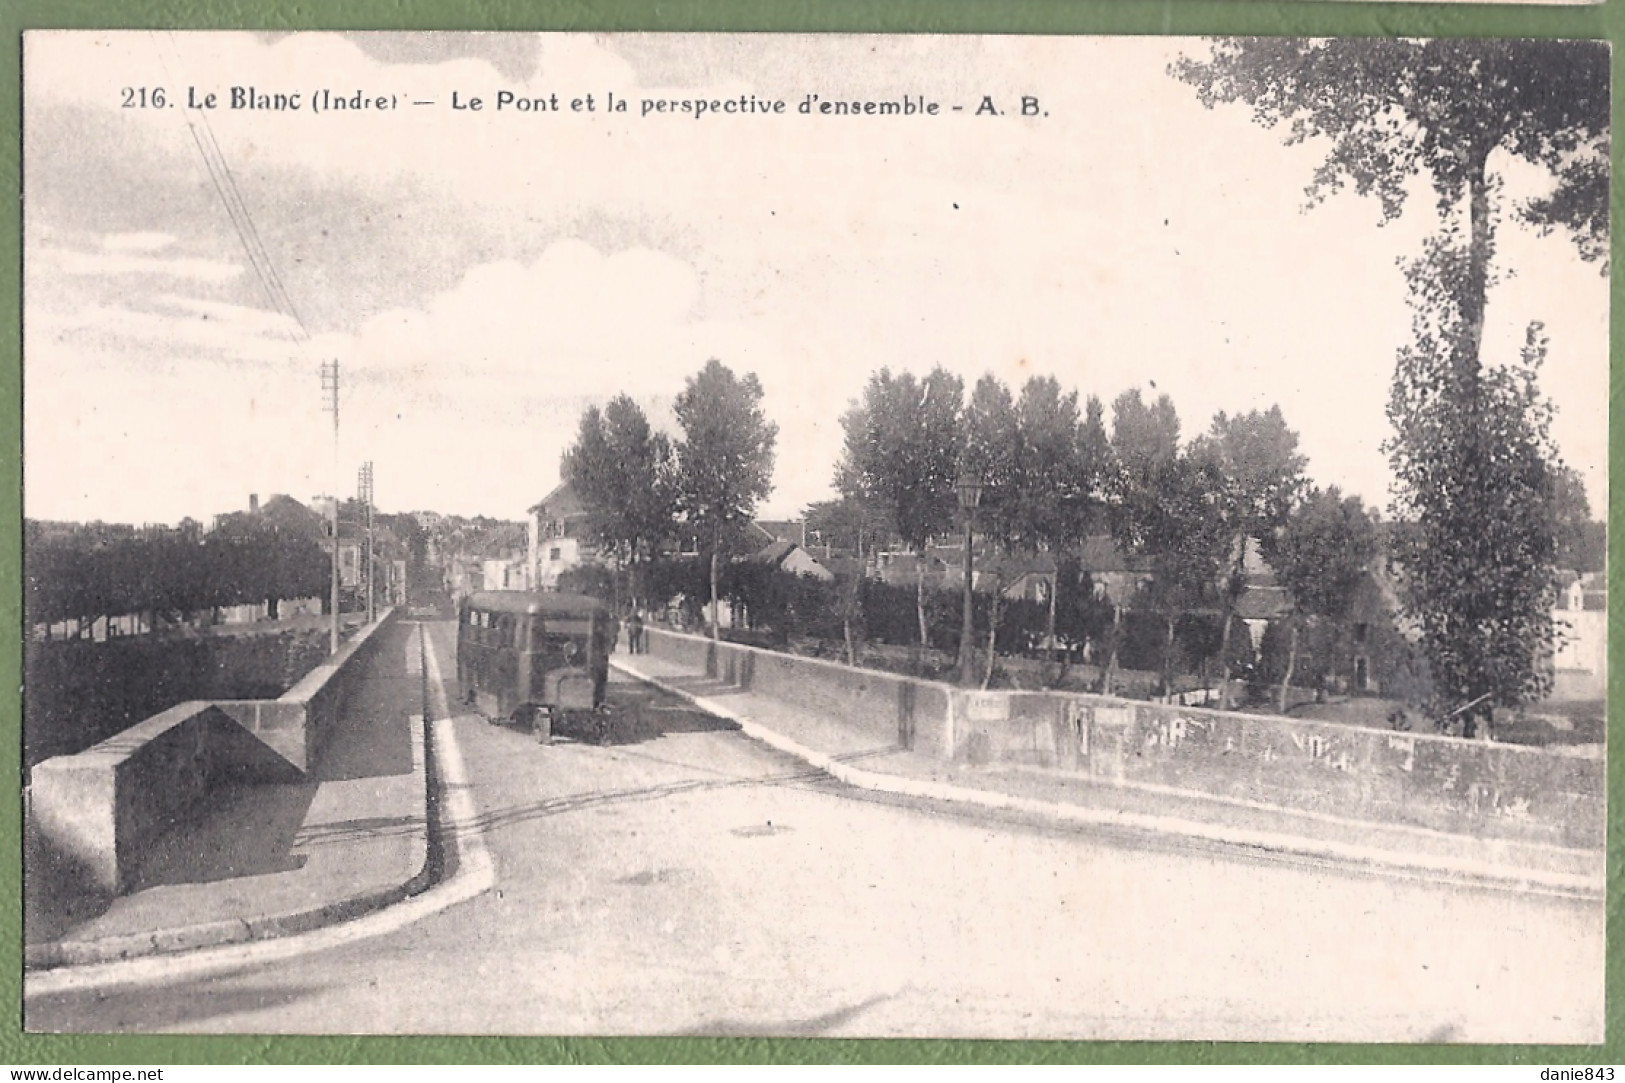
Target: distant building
x=790 y=557
x=1116 y=578
x=557 y=537
x=503 y=556
x=900 y=567
x=1580 y=662
x=1024 y=577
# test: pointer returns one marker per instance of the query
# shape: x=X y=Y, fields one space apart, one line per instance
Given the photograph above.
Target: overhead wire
x=225 y=185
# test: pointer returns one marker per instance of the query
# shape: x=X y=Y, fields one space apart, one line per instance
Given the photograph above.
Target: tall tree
x=1470 y=452
x=1143 y=438
x=1164 y=511
x=901 y=455
x=1476 y=483
x=1095 y=461
x=1097 y=467
x=1051 y=489
x=994 y=455
x=1255 y=455
x=1445 y=107
x=625 y=475
x=1324 y=546
x=1580 y=542
x=849 y=523
x=1144 y=435
x=724 y=462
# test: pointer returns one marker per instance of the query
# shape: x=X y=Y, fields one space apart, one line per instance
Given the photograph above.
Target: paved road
x=686 y=880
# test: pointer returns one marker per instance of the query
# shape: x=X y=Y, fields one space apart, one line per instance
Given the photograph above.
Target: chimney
x=253 y=503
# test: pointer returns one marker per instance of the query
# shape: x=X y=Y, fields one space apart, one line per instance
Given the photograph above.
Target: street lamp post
x=969 y=488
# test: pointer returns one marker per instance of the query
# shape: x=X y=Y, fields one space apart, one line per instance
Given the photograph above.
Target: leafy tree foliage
x=1078 y=616
x=1324 y=547
x=846 y=523
x=1057 y=483
x=93 y=572
x=901 y=457
x=1477 y=477
x=1255 y=456
x=852 y=524
x=1144 y=435
x=1164 y=510
x=1581 y=542
x=625 y=474
x=1396 y=108
x=724 y=462
x=1471 y=455
x=994 y=454
x=1095 y=462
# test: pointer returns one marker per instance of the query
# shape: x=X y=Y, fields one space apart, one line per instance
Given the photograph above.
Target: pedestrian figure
x=634 y=633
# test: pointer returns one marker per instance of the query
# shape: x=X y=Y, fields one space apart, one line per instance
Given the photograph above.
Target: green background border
x=1299 y=17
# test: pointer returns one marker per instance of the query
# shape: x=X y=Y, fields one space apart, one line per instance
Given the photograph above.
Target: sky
x=483 y=275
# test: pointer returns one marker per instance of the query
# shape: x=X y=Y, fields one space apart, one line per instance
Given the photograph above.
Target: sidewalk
x=854 y=758
x=271 y=860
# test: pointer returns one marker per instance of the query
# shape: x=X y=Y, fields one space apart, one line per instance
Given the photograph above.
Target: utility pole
x=364 y=485
x=330 y=387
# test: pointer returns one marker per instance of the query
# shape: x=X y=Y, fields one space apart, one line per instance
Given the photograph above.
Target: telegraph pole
x=330 y=386
x=364 y=485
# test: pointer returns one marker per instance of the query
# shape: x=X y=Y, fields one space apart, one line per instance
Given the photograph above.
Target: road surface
x=687 y=880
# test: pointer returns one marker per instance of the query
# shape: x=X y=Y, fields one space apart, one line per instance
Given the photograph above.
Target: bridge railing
x=1493 y=791
x=99 y=811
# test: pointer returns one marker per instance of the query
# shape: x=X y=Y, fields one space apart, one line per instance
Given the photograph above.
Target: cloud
x=244 y=319
x=575 y=321
x=482 y=276
x=137 y=242
x=75 y=262
x=122 y=336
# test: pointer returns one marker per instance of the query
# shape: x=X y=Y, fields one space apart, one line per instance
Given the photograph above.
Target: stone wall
x=1553 y=796
x=98 y=811
x=78 y=693
x=910 y=712
x=1513 y=792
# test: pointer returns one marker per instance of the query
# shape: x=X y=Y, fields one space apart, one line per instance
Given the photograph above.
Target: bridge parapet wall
x=1514 y=792
x=98 y=811
x=911 y=712
x=1494 y=791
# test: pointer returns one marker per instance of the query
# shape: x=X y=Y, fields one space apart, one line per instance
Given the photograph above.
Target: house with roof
x=1026 y=577
x=1258 y=606
x=790 y=557
x=1117 y=578
x=558 y=537
x=901 y=567
x=502 y=554
x=1580 y=660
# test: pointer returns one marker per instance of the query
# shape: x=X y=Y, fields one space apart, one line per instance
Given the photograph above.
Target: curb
x=70 y=953
x=1346 y=854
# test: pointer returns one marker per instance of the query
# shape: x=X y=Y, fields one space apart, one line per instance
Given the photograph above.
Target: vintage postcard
x=829 y=535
